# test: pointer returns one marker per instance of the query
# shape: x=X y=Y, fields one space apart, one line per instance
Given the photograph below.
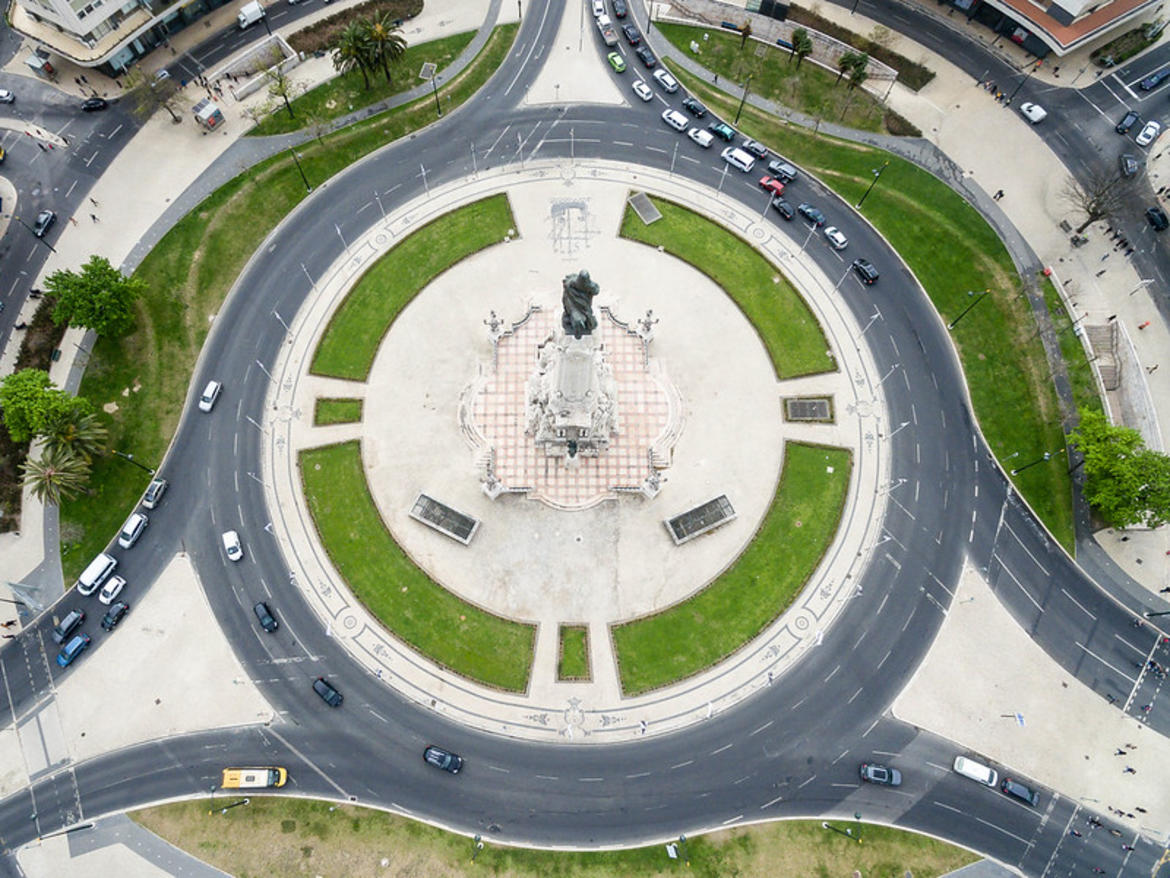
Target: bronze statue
x=577 y=292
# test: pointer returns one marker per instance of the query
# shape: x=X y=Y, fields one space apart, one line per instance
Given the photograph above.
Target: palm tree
x=385 y=42
x=845 y=63
x=79 y=436
x=860 y=71
x=351 y=51
x=802 y=45
x=57 y=475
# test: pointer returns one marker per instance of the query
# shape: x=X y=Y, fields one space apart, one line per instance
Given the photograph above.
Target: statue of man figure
x=577 y=292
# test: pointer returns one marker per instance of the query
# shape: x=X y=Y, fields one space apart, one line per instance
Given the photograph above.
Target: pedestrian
x=1152 y=369
x=42 y=146
x=1097 y=870
x=64 y=140
x=1111 y=697
x=1127 y=847
x=1143 y=325
x=1164 y=590
x=716 y=79
x=642 y=726
x=1131 y=816
x=1118 y=752
x=73 y=220
x=1094 y=820
x=998 y=195
x=1076 y=832
x=9 y=636
x=1106 y=256
x=1146 y=708
x=93 y=216
x=1125 y=539
x=1141 y=809
x=93 y=202
x=1129 y=770
x=8 y=624
x=1131 y=746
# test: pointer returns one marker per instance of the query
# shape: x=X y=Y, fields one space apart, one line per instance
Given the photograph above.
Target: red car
x=772 y=185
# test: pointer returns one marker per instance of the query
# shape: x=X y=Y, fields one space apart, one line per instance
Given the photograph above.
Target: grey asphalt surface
x=790 y=751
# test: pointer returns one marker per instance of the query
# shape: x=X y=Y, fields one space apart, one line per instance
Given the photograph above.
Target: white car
x=701 y=137
x=132 y=529
x=1148 y=134
x=6 y=97
x=111 y=590
x=675 y=120
x=642 y=90
x=1034 y=113
x=663 y=78
x=231 y=545
x=210 y=395
x=836 y=237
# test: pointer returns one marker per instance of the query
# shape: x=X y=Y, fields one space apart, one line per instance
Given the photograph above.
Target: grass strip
x=574 y=652
x=142 y=379
x=1080 y=369
x=336 y=411
x=476 y=644
x=698 y=632
x=954 y=253
x=350 y=341
x=783 y=320
x=345 y=93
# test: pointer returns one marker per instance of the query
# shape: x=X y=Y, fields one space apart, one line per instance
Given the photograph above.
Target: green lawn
x=786 y=326
x=693 y=635
x=953 y=252
x=480 y=646
x=336 y=411
x=574 y=653
x=345 y=93
x=350 y=341
x=188 y=274
x=1080 y=370
x=811 y=90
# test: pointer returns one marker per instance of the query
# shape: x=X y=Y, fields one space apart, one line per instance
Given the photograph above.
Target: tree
x=1125 y=482
x=149 y=94
x=31 y=404
x=1101 y=196
x=55 y=476
x=802 y=45
x=352 y=52
x=385 y=41
x=78 y=434
x=846 y=63
x=859 y=72
x=280 y=84
x=746 y=30
x=100 y=298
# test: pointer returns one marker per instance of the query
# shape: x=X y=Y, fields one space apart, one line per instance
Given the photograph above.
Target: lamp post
x=1152 y=615
x=130 y=458
x=34 y=234
x=297 y=159
x=682 y=841
x=227 y=808
x=435 y=91
x=747 y=82
x=1047 y=456
x=477 y=842
x=877 y=172
x=519 y=11
x=963 y=313
x=848 y=833
x=1035 y=67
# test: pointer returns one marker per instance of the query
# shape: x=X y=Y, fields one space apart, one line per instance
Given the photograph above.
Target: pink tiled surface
x=499 y=412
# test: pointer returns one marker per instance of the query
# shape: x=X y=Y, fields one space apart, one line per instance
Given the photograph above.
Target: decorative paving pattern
x=499 y=409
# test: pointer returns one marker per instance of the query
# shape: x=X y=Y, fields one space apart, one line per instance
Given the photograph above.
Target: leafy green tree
x=100 y=298
x=802 y=45
x=79 y=433
x=845 y=64
x=859 y=73
x=385 y=41
x=56 y=475
x=1125 y=482
x=31 y=404
x=352 y=51
x=280 y=84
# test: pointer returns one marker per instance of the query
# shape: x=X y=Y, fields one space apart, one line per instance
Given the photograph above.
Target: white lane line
x=761 y=728
x=945 y=805
x=1078 y=603
x=807 y=782
x=638 y=775
x=855 y=694
x=683 y=764
x=732 y=820
x=546 y=777
x=497 y=768
x=720 y=750
x=1035 y=560
x=873 y=724
x=843 y=754
x=771 y=803
x=1008 y=571
x=1105 y=663
x=1001 y=829
x=590 y=779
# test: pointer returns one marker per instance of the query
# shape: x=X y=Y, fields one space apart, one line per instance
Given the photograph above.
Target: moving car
x=90 y=105
x=210 y=395
x=701 y=137
x=771 y=184
x=836 y=237
x=1130 y=119
x=617 y=62
x=68 y=625
x=6 y=97
x=812 y=214
x=782 y=169
x=1148 y=134
x=645 y=56
x=620 y=10
x=663 y=78
x=444 y=759
x=694 y=108
x=114 y=615
x=871 y=772
x=231 y=545
x=45 y=220
x=642 y=90
x=1152 y=81
x=154 y=493
x=865 y=271
x=1157 y=218
x=631 y=34
x=267 y=620
x=721 y=130
x=675 y=119
x=253 y=778
x=328 y=694
x=132 y=529
x=755 y=148
x=111 y=589
x=783 y=208
x=1034 y=113
x=1020 y=791
x=72 y=650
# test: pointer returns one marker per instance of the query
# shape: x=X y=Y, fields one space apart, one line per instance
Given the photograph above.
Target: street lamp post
x=848 y=833
x=1035 y=67
x=519 y=11
x=227 y=808
x=877 y=172
x=435 y=91
x=130 y=458
x=743 y=97
x=34 y=234
x=1047 y=456
x=297 y=159
x=963 y=314
x=1152 y=615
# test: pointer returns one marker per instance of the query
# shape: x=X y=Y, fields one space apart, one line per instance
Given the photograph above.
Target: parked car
x=642 y=90
x=617 y=62
x=6 y=97
x=1130 y=119
x=111 y=589
x=871 y=772
x=694 y=108
x=91 y=105
x=1128 y=164
x=72 y=621
x=783 y=208
x=1020 y=791
x=231 y=545
x=1157 y=218
x=45 y=220
x=154 y=493
x=771 y=184
x=114 y=615
x=328 y=694
x=132 y=529
x=755 y=148
x=812 y=214
x=836 y=237
x=865 y=271
x=701 y=137
x=1148 y=134
x=675 y=119
x=1152 y=81
x=663 y=78
x=267 y=620
x=210 y=395
x=721 y=130
x=782 y=169
x=631 y=34
x=444 y=759
x=620 y=10
x=72 y=650
x=645 y=56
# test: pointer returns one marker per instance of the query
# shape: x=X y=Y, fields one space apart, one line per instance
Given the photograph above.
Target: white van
x=675 y=119
x=96 y=573
x=976 y=771
x=737 y=158
x=701 y=137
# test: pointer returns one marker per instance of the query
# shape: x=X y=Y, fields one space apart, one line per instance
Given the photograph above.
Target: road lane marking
x=761 y=728
x=1078 y=603
x=769 y=804
x=1008 y=571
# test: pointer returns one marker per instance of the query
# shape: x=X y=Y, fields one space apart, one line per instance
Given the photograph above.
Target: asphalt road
x=792 y=750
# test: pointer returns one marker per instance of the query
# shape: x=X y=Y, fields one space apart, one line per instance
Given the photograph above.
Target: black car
x=444 y=759
x=1128 y=121
x=865 y=270
x=755 y=148
x=1129 y=164
x=328 y=694
x=879 y=774
x=114 y=615
x=646 y=56
x=694 y=108
x=783 y=208
x=619 y=9
x=45 y=220
x=1154 y=80
x=92 y=104
x=1157 y=218
x=68 y=625
x=1020 y=791
x=812 y=214
x=267 y=620
x=631 y=34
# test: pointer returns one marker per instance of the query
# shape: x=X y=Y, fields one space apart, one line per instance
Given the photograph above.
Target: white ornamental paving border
x=750 y=668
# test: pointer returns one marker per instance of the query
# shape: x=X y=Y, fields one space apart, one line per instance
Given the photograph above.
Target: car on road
x=210 y=395
x=783 y=208
x=132 y=529
x=1128 y=164
x=620 y=10
x=721 y=130
x=633 y=37
x=111 y=589
x=1130 y=119
x=836 y=237
x=231 y=545
x=154 y=493
x=1154 y=80
x=1034 y=113
x=812 y=214
x=663 y=78
x=1148 y=134
x=871 y=772
x=755 y=148
x=701 y=137
x=45 y=220
x=91 y=105
x=642 y=90
x=866 y=271
x=1157 y=218
x=6 y=97
x=328 y=694
x=72 y=650
x=617 y=62
x=444 y=759
x=114 y=615
x=645 y=56
x=72 y=621
x=2 y=154
x=264 y=615
x=771 y=184
x=675 y=119
x=782 y=169
x=694 y=108
x=1020 y=791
